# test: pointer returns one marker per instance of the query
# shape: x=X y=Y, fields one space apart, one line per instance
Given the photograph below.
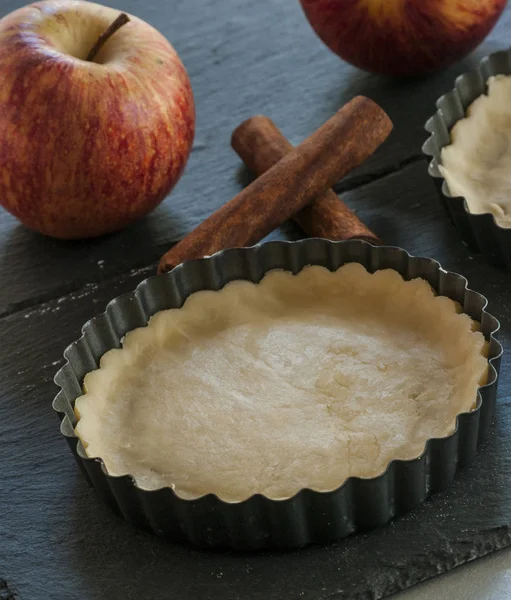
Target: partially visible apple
x=88 y=146
x=402 y=37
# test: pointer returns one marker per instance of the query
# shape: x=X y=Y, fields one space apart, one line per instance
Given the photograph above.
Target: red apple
x=88 y=145
x=402 y=37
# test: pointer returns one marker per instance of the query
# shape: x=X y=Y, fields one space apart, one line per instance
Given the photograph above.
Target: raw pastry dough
x=477 y=163
x=299 y=381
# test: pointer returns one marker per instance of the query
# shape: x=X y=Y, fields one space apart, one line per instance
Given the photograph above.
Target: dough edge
x=136 y=342
x=458 y=164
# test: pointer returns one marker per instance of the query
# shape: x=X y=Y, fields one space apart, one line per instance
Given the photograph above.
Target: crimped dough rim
x=352 y=281
x=476 y=162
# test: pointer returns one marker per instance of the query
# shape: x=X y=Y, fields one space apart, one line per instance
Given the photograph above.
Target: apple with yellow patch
x=402 y=37
x=97 y=118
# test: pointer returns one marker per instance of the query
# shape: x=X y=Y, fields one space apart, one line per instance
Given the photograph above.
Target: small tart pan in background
x=480 y=232
x=309 y=516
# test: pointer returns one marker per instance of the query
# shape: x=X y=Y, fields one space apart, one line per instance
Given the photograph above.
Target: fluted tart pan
x=309 y=516
x=480 y=232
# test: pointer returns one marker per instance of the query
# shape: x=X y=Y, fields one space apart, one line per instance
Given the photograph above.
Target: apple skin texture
x=86 y=148
x=402 y=37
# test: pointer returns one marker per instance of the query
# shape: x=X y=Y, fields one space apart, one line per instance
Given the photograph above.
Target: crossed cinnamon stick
x=292 y=183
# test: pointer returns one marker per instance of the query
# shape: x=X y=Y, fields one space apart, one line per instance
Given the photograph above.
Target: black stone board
x=56 y=539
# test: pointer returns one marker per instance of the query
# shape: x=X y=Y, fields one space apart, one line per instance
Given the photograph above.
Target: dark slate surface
x=56 y=540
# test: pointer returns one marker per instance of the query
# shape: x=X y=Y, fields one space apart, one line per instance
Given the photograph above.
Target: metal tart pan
x=309 y=516
x=480 y=232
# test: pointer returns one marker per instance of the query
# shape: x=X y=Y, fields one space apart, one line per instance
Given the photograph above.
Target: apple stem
x=121 y=20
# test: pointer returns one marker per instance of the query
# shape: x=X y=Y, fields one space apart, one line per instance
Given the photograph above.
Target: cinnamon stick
x=260 y=144
x=338 y=146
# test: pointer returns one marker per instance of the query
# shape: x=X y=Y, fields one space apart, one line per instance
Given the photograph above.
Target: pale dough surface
x=477 y=163
x=299 y=381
